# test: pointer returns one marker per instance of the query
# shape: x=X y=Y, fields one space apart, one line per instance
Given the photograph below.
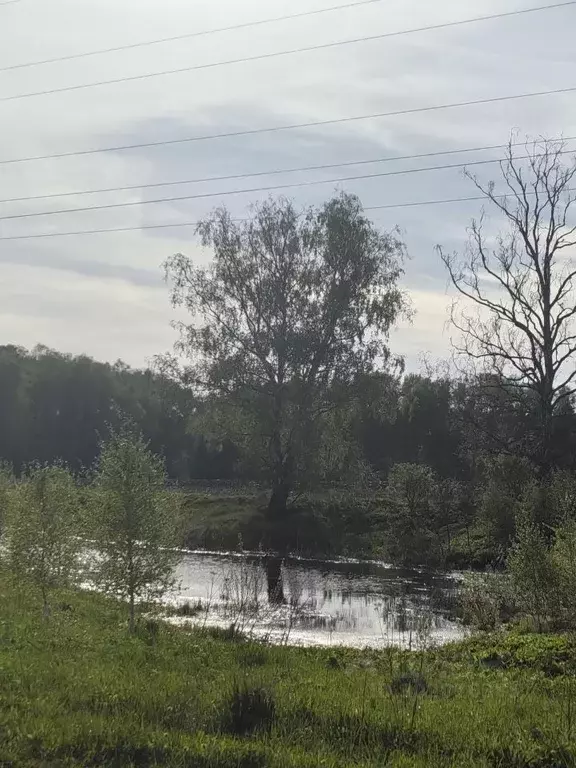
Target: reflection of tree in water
x=382 y=605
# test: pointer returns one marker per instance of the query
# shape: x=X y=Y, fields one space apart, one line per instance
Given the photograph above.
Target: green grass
x=321 y=525
x=76 y=690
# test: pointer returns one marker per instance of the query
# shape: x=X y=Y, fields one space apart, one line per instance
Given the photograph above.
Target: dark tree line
x=55 y=406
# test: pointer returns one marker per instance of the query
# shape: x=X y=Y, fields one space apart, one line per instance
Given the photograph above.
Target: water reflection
x=327 y=603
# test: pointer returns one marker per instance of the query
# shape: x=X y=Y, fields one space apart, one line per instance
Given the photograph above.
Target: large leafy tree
x=294 y=309
x=292 y=313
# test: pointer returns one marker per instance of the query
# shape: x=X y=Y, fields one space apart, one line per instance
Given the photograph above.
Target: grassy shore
x=76 y=690
x=323 y=525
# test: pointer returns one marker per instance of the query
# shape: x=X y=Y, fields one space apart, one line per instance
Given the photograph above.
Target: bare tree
x=521 y=284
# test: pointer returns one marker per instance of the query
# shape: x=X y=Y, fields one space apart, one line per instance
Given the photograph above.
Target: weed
x=188 y=609
x=410 y=681
x=252 y=656
x=248 y=710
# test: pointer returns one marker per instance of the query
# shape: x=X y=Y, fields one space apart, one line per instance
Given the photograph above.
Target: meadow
x=77 y=690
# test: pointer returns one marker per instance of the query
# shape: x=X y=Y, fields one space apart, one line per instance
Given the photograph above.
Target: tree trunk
x=275 y=581
x=276 y=513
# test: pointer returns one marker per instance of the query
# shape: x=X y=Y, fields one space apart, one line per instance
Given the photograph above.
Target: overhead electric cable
x=186 y=36
x=260 y=57
x=278 y=171
x=272 y=188
x=294 y=126
x=176 y=225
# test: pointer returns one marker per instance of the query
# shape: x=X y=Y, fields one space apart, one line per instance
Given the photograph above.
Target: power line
x=10 y=2
x=277 y=171
x=264 y=56
x=273 y=188
x=186 y=36
x=177 y=225
x=294 y=126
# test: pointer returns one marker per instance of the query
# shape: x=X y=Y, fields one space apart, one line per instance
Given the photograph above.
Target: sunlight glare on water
x=327 y=603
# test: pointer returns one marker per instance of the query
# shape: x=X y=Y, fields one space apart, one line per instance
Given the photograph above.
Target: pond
x=348 y=603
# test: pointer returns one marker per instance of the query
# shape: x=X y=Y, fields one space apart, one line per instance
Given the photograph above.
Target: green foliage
x=503 y=481
x=136 y=521
x=487 y=600
x=562 y=497
x=563 y=562
x=539 y=585
x=80 y=691
x=43 y=529
x=250 y=709
x=532 y=572
x=6 y=484
x=412 y=490
x=294 y=309
x=56 y=406
x=551 y=654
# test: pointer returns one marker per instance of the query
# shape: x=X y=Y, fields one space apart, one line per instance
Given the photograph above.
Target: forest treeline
x=58 y=407
x=455 y=459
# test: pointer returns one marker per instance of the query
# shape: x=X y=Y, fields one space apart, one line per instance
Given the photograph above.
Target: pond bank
x=320 y=526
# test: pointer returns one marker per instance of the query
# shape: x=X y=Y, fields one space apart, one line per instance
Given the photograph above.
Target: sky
x=104 y=294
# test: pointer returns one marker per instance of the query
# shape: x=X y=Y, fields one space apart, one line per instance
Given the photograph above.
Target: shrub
x=248 y=710
x=504 y=481
x=564 y=562
x=411 y=492
x=42 y=533
x=487 y=600
x=409 y=681
x=533 y=573
x=136 y=521
x=188 y=609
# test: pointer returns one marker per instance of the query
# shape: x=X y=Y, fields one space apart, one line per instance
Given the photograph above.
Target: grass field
x=76 y=690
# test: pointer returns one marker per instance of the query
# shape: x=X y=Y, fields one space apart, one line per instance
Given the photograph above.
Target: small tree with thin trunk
x=43 y=529
x=521 y=283
x=135 y=522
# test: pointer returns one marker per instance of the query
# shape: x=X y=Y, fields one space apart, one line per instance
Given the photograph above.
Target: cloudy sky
x=103 y=294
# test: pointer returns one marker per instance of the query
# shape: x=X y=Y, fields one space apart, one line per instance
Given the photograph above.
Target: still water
x=354 y=604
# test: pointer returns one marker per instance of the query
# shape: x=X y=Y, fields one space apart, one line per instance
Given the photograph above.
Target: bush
x=487 y=600
x=533 y=573
x=410 y=681
x=551 y=654
x=249 y=710
x=411 y=493
x=504 y=481
x=43 y=530
x=564 y=562
x=188 y=609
